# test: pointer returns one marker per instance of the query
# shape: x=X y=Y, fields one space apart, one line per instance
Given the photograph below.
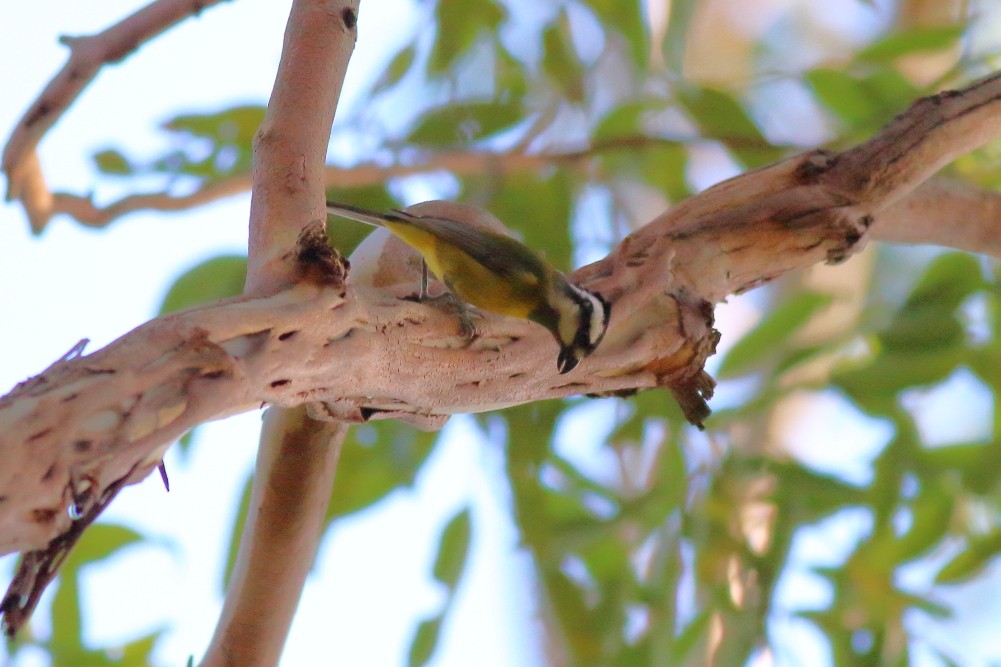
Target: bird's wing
x=497 y=252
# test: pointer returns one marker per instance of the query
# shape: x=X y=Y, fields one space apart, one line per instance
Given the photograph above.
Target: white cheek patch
x=597 y=329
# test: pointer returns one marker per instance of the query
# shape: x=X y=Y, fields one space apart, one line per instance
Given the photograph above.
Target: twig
x=25 y=180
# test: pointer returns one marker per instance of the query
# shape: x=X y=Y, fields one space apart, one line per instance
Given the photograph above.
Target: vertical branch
x=295 y=471
x=297 y=455
x=291 y=145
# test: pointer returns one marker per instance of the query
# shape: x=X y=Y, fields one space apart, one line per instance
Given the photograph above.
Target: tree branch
x=291 y=145
x=461 y=163
x=361 y=353
x=292 y=484
x=88 y=55
x=944 y=212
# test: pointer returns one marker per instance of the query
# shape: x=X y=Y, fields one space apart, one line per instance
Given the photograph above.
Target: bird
x=495 y=272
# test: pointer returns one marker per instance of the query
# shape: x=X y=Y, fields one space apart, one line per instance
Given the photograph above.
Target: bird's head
x=581 y=330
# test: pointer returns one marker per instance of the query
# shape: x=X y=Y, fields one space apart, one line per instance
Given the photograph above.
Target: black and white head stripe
x=601 y=312
x=594 y=315
x=590 y=322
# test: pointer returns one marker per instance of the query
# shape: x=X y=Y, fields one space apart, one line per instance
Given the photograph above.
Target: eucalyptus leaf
x=213 y=279
x=459 y=24
x=777 y=327
x=425 y=641
x=459 y=124
x=453 y=549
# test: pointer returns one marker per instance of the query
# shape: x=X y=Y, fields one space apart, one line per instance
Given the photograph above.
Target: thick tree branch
x=363 y=353
x=296 y=463
x=25 y=180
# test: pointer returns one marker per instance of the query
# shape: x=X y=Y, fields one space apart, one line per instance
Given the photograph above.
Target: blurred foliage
x=681 y=552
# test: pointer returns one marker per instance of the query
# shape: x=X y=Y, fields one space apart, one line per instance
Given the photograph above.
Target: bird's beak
x=567 y=361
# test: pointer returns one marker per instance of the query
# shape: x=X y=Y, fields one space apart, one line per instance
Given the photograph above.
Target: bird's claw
x=452 y=305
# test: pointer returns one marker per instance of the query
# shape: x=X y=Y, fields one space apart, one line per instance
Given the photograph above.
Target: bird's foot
x=452 y=305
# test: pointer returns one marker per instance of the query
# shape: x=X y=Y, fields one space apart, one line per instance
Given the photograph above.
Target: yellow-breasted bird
x=495 y=272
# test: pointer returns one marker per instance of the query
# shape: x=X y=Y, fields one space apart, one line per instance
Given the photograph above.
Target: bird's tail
x=356 y=214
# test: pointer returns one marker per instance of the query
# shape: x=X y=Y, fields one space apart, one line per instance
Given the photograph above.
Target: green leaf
x=575 y=618
x=396 y=69
x=185 y=441
x=625 y=17
x=692 y=635
x=67 y=633
x=947 y=282
x=924 y=341
x=676 y=37
x=234 y=126
x=976 y=464
x=874 y=386
x=537 y=209
x=425 y=641
x=376 y=459
x=922 y=329
x=100 y=541
x=722 y=117
x=606 y=560
x=806 y=496
x=862 y=102
x=848 y=97
x=137 y=653
x=626 y=120
x=664 y=166
x=113 y=162
x=718 y=114
x=460 y=23
x=453 y=549
x=914 y=40
x=460 y=124
x=932 y=512
x=510 y=75
x=763 y=341
x=216 y=278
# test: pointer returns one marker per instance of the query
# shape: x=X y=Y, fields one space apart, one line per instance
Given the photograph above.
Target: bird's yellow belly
x=477 y=285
